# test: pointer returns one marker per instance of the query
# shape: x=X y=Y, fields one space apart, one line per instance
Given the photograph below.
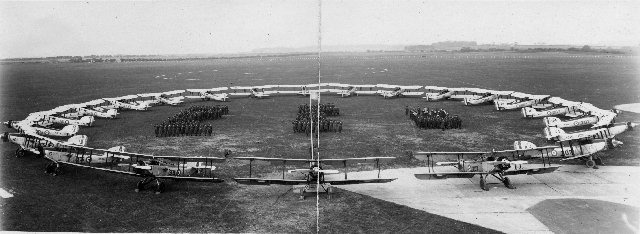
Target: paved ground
x=573 y=199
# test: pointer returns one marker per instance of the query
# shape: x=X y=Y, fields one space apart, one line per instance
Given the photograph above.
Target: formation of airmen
x=302 y=123
x=433 y=119
x=189 y=122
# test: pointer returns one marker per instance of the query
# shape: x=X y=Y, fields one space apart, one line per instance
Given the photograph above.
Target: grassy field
x=84 y=200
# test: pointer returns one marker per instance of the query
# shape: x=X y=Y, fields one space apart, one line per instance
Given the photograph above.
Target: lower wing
x=444 y=175
x=532 y=171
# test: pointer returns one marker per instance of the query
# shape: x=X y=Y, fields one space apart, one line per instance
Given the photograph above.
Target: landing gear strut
x=53 y=168
x=20 y=153
x=141 y=185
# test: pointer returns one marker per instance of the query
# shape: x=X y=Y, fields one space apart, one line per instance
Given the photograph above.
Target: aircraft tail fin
x=80 y=140
x=551 y=132
x=70 y=129
x=523 y=145
x=112 y=112
x=613 y=143
x=88 y=120
x=528 y=112
x=117 y=148
x=551 y=121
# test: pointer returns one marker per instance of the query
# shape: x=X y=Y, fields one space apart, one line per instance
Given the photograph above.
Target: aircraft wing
x=260 y=181
x=314 y=160
x=364 y=181
x=130 y=173
x=444 y=175
x=422 y=155
x=531 y=171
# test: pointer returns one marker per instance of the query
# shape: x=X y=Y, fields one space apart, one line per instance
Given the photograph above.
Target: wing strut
x=345 y=169
x=283 y=167
x=377 y=165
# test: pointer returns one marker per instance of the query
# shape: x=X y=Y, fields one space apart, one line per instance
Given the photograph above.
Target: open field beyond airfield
x=84 y=200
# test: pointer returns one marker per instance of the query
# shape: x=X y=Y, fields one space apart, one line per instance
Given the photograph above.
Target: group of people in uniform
x=189 y=121
x=308 y=115
x=432 y=118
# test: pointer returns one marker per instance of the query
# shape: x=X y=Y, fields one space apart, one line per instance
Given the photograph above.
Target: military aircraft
x=162 y=98
x=209 y=94
x=486 y=96
x=584 y=150
x=522 y=100
x=557 y=134
x=560 y=107
x=399 y=91
x=313 y=175
x=435 y=93
x=153 y=169
x=354 y=90
x=121 y=103
x=484 y=164
x=26 y=126
x=48 y=120
x=258 y=93
x=31 y=143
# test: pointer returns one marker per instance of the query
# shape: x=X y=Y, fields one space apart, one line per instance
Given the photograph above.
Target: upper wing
x=422 y=155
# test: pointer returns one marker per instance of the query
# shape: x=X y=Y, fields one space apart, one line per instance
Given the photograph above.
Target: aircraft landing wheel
x=56 y=169
x=507 y=183
x=598 y=161
x=20 y=153
x=591 y=164
x=140 y=186
x=161 y=187
x=483 y=184
x=50 y=168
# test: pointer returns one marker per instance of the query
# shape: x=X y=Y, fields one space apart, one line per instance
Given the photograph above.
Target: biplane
x=153 y=169
x=585 y=150
x=574 y=122
x=354 y=90
x=399 y=91
x=314 y=175
x=26 y=127
x=520 y=100
x=557 y=134
x=435 y=93
x=484 y=164
x=486 y=96
x=162 y=98
x=209 y=94
x=560 y=107
x=31 y=143
x=126 y=102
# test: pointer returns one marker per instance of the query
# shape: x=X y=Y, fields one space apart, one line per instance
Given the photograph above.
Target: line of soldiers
x=192 y=128
x=433 y=119
x=326 y=125
x=302 y=123
x=189 y=121
x=328 y=109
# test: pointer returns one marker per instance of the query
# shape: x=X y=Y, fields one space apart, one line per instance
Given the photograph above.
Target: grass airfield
x=88 y=201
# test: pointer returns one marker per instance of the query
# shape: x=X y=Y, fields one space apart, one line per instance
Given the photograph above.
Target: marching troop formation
x=308 y=114
x=433 y=119
x=189 y=122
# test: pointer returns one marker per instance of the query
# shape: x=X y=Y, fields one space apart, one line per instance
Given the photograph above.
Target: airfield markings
x=505 y=209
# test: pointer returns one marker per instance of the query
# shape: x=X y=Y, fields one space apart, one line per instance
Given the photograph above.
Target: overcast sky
x=30 y=29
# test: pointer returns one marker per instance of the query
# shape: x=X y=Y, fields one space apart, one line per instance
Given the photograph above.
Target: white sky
x=30 y=29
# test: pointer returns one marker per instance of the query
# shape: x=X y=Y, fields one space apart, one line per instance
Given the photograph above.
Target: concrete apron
x=500 y=208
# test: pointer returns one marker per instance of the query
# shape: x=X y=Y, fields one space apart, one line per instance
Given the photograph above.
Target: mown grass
x=88 y=201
